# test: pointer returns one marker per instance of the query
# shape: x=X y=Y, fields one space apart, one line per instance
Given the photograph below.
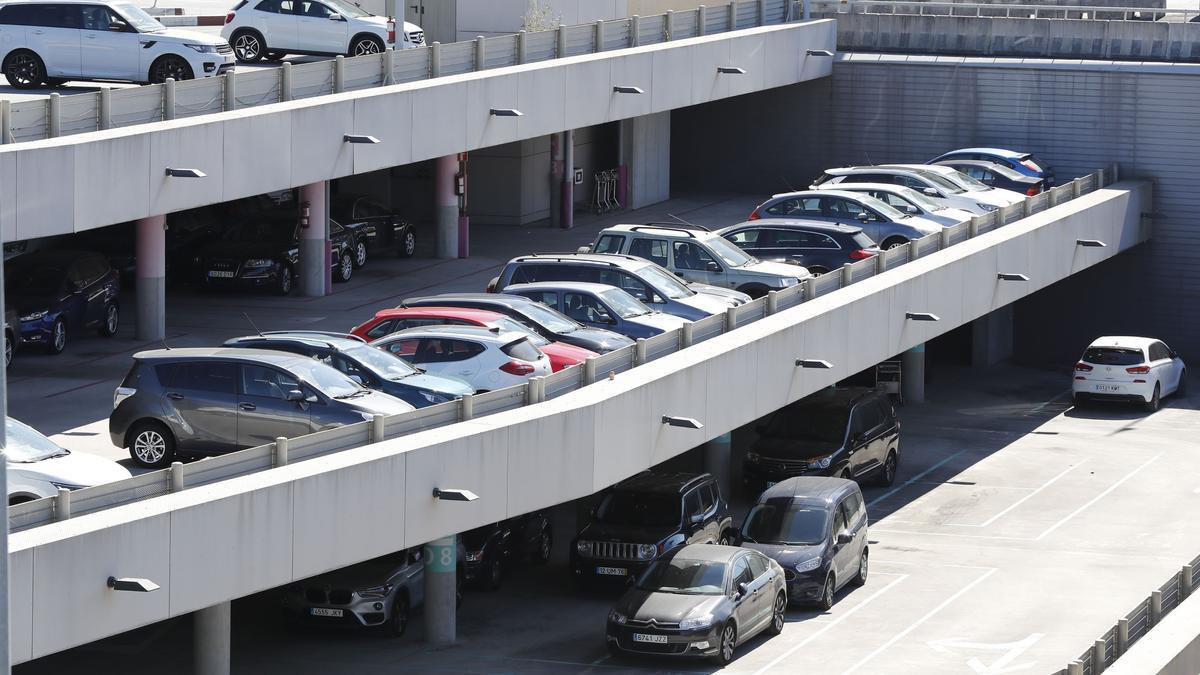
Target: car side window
x=266 y=382
x=847 y=515
x=54 y=16
x=312 y=9
x=802 y=239
x=858 y=420
x=839 y=521
x=365 y=208
x=1158 y=351
x=707 y=501
x=757 y=564
x=807 y=206
x=854 y=508
x=443 y=350
x=654 y=250
x=547 y=298
x=213 y=376
x=741 y=572
x=271 y=6
x=348 y=367
x=691 y=504
x=626 y=282
x=885 y=412
x=609 y=243
x=583 y=308
x=690 y=256
x=745 y=237
x=382 y=328
x=405 y=348
x=98 y=17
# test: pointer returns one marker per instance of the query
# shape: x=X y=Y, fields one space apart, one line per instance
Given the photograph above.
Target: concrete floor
x=1018 y=530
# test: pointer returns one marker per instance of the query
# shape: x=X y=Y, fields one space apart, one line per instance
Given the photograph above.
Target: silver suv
x=698 y=255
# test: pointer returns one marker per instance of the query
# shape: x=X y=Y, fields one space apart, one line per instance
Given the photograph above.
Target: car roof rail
x=689 y=231
x=558 y=257
x=325 y=333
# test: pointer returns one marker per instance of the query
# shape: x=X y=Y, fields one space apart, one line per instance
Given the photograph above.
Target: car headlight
x=788 y=282
x=35 y=315
x=583 y=547
x=617 y=617
x=67 y=486
x=820 y=462
x=432 y=397
x=474 y=556
x=753 y=457
x=647 y=551
x=695 y=622
x=376 y=592
x=203 y=49
x=259 y=262
x=986 y=207
x=808 y=565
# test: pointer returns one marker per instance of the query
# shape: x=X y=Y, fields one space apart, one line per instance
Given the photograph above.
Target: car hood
x=244 y=250
x=605 y=340
x=776 y=269
x=442 y=384
x=379 y=403
x=179 y=35
x=733 y=298
x=356 y=577
x=659 y=320
x=786 y=448
x=666 y=607
x=27 y=304
x=950 y=215
x=995 y=196
x=921 y=223
x=711 y=304
x=787 y=555
x=634 y=534
x=77 y=468
x=565 y=351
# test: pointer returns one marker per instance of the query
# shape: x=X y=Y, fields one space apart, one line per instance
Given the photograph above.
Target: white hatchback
x=272 y=29
x=1135 y=369
x=975 y=189
x=487 y=358
x=37 y=467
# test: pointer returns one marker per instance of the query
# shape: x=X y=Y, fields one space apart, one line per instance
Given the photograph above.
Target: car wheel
x=360 y=253
x=893 y=242
x=817 y=271
x=726 y=539
x=8 y=349
x=112 y=320
x=1181 y=388
x=55 y=81
x=826 y=602
x=408 y=243
x=754 y=291
x=861 y=578
x=58 y=337
x=248 y=46
x=151 y=445
x=846 y=474
x=398 y=623
x=345 y=268
x=778 y=615
x=170 y=66
x=1153 y=403
x=887 y=473
x=545 y=545
x=13 y=501
x=495 y=574
x=287 y=280
x=365 y=45
x=24 y=70
x=725 y=649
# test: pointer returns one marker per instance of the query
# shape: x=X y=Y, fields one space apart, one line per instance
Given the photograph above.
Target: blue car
x=599 y=306
x=1021 y=162
x=58 y=293
x=370 y=367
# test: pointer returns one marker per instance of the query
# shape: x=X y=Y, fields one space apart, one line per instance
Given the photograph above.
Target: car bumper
x=212 y=65
x=38 y=331
x=362 y=613
x=759 y=476
x=703 y=642
x=804 y=587
x=590 y=568
x=265 y=280
x=1102 y=390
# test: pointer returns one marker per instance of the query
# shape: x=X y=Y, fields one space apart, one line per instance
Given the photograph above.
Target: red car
x=389 y=321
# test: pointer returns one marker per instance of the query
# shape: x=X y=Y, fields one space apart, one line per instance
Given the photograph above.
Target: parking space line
x=913 y=626
x=1038 y=409
x=850 y=612
x=1022 y=500
x=952 y=534
x=914 y=479
x=1097 y=498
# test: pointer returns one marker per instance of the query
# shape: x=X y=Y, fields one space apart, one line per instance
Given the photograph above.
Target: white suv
x=48 y=43
x=272 y=29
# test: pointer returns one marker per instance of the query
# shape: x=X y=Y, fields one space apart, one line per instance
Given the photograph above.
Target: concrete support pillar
x=446 y=206
x=717 y=461
x=210 y=649
x=567 y=220
x=912 y=375
x=992 y=337
x=151 y=252
x=315 y=273
x=557 y=169
x=646 y=145
x=441 y=590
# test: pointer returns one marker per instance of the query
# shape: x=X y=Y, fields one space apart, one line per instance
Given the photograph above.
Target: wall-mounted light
x=185 y=173
x=360 y=138
x=1090 y=243
x=731 y=70
x=813 y=363
x=627 y=89
x=506 y=112
x=454 y=495
x=684 y=422
x=132 y=584
x=921 y=316
x=1011 y=276
x=819 y=52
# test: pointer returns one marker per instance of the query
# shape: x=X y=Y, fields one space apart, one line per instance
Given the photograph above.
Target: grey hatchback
x=210 y=401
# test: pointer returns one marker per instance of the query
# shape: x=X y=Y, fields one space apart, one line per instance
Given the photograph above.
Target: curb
x=207 y=20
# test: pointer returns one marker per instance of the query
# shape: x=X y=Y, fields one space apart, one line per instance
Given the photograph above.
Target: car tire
x=860 y=579
x=364 y=45
x=151 y=445
x=55 y=81
x=286 y=281
x=825 y=602
x=887 y=473
x=13 y=501
x=755 y=291
x=726 y=538
x=1154 y=402
x=248 y=46
x=545 y=545
x=495 y=574
x=817 y=270
x=778 y=615
x=275 y=57
x=24 y=69
x=58 y=337
x=397 y=623
x=170 y=66
x=893 y=242
x=1181 y=388
x=360 y=254
x=112 y=320
x=9 y=348
x=345 y=269
x=408 y=242
x=727 y=646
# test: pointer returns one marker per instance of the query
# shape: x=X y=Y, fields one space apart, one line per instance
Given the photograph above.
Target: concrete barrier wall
x=237 y=537
x=1170 y=648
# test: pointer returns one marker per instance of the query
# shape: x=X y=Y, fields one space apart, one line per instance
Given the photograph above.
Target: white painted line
x=1020 y=501
x=951 y=534
x=914 y=479
x=913 y=626
x=925 y=564
x=1097 y=498
x=1038 y=409
x=841 y=617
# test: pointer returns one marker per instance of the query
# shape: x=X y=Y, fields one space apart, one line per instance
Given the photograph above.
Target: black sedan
x=703 y=600
x=376 y=227
x=996 y=175
x=264 y=254
x=493 y=548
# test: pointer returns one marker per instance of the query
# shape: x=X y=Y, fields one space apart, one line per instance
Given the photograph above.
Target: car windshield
x=639 y=509
x=664 y=282
x=926 y=204
x=346 y=9
x=863 y=241
x=624 y=304
x=886 y=210
x=326 y=379
x=506 y=324
x=29 y=280
x=779 y=521
x=549 y=319
x=940 y=181
x=262 y=231
x=139 y=18
x=967 y=182
x=680 y=575
x=384 y=364
x=732 y=255
x=821 y=423
x=1113 y=356
x=25 y=445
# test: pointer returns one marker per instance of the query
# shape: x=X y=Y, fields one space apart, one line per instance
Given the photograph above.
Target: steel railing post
x=230 y=83
x=54 y=115
x=531 y=391
x=339 y=74
x=762 y=12
x=589 y=370
x=635 y=26
x=1027 y=207
x=62 y=504
x=176 y=472
x=480 y=53
x=522 y=46
x=105 y=108
x=378 y=433
x=281 y=451
x=772 y=302
x=599 y=37
x=389 y=67
x=732 y=16
x=880 y=262
x=974 y=225
x=701 y=20
x=1122 y=636
x=466 y=407
x=1155 y=607
x=945 y=237
x=1116 y=172
x=1185 y=581
x=561 y=50
x=847 y=275
x=810 y=288
x=285 y=82
x=169 y=99
x=668 y=24
x=6 y=121
x=1075 y=668
x=685 y=335
x=912 y=250
x=730 y=319
x=1098 y=657
x=639 y=352
x=435 y=59
x=1076 y=188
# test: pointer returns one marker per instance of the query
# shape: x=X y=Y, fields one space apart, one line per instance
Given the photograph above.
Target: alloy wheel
x=111 y=319
x=247 y=47
x=150 y=446
x=22 y=70
x=410 y=244
x=172 y=67
x=364 y=47
x=60 y=336
x=728 y=637
x=777 y=618
x=360 y=254
x=347 y=265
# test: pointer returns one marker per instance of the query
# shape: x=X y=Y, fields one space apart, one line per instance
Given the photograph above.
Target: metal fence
x=112 y=108
x=831 y=8
x=244 y=462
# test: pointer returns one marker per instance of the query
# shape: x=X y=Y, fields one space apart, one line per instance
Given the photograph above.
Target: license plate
x=325 y=611
x=656 y=639
x=1108 y=387
x=220 y=274
x=612 y=571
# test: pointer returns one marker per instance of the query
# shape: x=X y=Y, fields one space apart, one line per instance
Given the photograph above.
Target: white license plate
x=1108 y=387
x=221 y=274
x=325 y=611
x=656 y=639
x=612 y=571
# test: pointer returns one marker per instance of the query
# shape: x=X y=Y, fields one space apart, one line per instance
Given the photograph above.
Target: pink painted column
x=151 y=274
x=446 y=207
x=315 y=269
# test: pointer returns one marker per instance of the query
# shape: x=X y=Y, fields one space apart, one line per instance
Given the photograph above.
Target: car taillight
x=122 y=393
x=1138 y=370
x=517 y=368
x=754 y=215
x=1083 y=367
x=229 y=17
x=860 y=254
x=391 y=27
x=1032 y=191
x=1028 y=164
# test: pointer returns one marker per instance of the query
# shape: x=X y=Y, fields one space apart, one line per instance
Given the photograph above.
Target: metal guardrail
x=1133 y=626
x=828 y=8
x=252 y=460
x=113 y=108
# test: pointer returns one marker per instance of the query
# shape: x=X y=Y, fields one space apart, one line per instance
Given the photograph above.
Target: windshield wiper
x=752 y=540
x=360 y=392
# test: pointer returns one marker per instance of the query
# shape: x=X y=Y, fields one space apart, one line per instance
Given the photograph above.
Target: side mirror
x=696 y=519
x=336 y=17
x=712 y=266
x=116 y=26
x=584 y=249
x=743 y=589
x=911 y=210
x=358 y=379
x=930 y=192
x=295 y=395
x=862 y=216
x=606 y=318
x=844 y=538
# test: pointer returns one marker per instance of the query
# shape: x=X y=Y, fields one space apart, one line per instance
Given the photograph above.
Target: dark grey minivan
x=209 y=401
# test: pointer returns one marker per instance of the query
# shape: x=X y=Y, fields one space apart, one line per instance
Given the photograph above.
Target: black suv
x=849 y=432
x=491 y=549
x=265 y=253
x=646 y=516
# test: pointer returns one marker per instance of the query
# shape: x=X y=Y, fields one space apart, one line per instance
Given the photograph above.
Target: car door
x=858 y=442
x=52 y=31
x=652 y=249
x=109 y=46
x=587 y=310
x=856 y=518
x=1163 y=367
x=694 y=263
x=714 y=522
x=75 y=298
x=849 y=211
x=798 y=207
x=693 y=518
x=845 y=557
x=414 y=576
x=264 y=411
x=276 y=22
x=199 y=398
x=764 y=598
x=316 y=31
x=97 y=286
x=747 y=606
